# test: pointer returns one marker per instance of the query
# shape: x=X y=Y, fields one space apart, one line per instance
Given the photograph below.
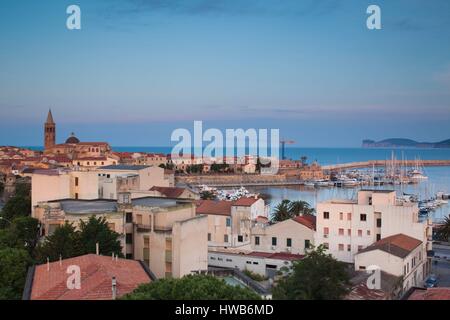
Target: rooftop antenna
x=114 y=288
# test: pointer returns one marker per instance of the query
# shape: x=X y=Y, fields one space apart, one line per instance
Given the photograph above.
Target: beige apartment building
x=230 y=222
x=166 y=234
x=346 y=227
x=290 y=236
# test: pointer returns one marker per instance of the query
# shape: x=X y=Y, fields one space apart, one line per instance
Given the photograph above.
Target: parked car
x=431 y=281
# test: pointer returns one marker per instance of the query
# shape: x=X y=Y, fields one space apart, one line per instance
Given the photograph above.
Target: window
x=288 y=242
x=76 y=181
x=349 y=232
x=248 y=262
x=129 y=256
x=326 y=215
x=256 y=241
x=255 y=262
x=213 y=258
x=225 y=238
x=363 y=217
x=228 y=260
x=129 y=238
x=341 y=247
x=359 y=233
x=349 y=248
x=326 y=245
x=209 y=236
x=379 y=223
x=326 y=230
x=349 y=216
x=420 y=255
x=341 y=216
x=76 y=195
x=341 y=231
x=362 y=268
x=368 y=232
x=129 y=217
x=307 y=244
x=274 y=241
x=228 y=222
x=139 y=218
x=378 y=237
x=240 y=238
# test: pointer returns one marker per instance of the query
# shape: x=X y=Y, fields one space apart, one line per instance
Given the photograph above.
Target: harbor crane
x=283 y=143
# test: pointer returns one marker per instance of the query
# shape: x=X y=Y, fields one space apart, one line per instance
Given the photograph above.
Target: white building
x=292 y=235
x=398 y=255
x=262 y=263
x=348 y=226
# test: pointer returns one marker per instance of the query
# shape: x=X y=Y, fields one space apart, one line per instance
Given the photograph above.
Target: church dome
x=72 y=139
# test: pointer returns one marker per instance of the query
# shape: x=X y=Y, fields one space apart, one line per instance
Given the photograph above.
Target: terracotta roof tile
x=308 y=220
x=430 y=294
x=169 y=192
x=399 y=245
x=96 y=275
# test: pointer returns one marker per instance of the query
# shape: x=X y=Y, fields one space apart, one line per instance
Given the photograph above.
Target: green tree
x=23 y=233
x=282 y=211
x=207 y=195
x=318 y=276
x=300 y=207
x=191 y=287
x=96 y=230
x=18 y=205
x=443 y=231
x=13 y=271
x=64 y=241
x=287 y=209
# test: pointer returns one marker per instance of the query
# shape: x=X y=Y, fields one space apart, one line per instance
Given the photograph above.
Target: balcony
x=143 y=227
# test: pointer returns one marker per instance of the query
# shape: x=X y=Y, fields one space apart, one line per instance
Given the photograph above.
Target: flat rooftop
x=155 y=202
x=88 y=206
x=124 y=167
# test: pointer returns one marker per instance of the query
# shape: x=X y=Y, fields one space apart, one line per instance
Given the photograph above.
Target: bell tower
x=49 y=131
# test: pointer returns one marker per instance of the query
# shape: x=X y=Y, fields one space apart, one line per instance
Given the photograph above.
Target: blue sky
x=139 y=69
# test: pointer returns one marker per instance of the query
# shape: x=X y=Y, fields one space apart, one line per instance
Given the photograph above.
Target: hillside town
x=168 y=229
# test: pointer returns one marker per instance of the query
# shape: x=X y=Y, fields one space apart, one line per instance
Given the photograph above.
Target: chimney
x=60 y=260
x=97 y=251
x=48 y=264
x=114 y=288
x=112 y=256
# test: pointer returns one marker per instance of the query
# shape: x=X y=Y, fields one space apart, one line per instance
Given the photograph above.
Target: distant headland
x=404 y=143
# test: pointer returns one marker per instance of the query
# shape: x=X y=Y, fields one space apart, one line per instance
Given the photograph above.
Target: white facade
x=347 y=226
x=286 y=236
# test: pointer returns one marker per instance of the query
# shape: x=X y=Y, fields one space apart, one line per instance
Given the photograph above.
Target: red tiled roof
x=91 y=159
x=218 y=207
x=308 y=220
x=399 y=245
x=430 y=294
x=169 y=192
x=96 y=276
x=245 y=202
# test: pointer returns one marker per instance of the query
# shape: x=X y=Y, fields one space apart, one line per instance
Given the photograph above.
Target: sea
x=438 y=177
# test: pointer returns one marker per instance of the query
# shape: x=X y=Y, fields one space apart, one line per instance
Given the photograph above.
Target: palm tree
x=300 y=207
x=443 y=232
x=282 y=211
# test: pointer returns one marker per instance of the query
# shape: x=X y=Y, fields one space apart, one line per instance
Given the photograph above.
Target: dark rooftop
x=88 y=206
x=156 y=202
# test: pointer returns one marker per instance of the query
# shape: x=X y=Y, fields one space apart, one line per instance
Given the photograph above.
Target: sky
x=138 y=69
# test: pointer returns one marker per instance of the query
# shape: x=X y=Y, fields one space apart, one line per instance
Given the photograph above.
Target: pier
x=385 y=163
